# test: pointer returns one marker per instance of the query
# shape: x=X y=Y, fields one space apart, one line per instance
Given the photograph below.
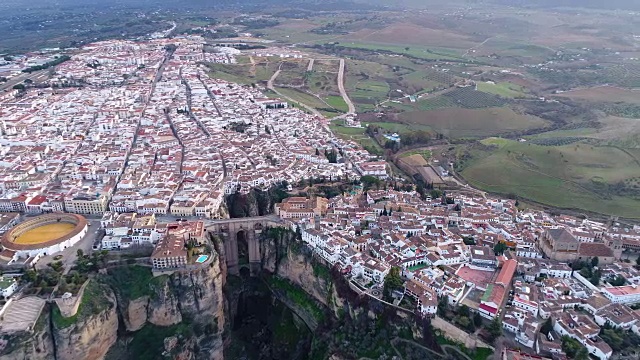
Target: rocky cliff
x=128 y=313
x=93 y=331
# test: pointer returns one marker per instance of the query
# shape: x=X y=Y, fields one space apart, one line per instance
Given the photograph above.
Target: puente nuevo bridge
x=241 y=238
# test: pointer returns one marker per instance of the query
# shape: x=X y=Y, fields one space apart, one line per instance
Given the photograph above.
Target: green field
x=337 y=102
x=576 y=176
x=414 y=51
x=504 y=89
x=472 y=123
x=303 y=97
x=242 y=74
x=426 y=154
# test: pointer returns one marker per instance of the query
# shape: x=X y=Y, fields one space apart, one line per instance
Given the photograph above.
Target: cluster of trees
x=369 y=182
x=499 y=248
x=332 y=156
x=43 y=278
x=55 y=62
x=392 y=282
x=426 y=189
x=574 y=349
x=619 y=339
x=355 y=338
x=588 y=270
x=415 y=137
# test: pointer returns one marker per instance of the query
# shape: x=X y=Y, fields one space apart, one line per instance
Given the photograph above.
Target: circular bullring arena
x=44 y=235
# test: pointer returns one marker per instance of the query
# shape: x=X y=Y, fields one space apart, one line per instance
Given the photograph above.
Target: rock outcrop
x=135 y=315
x=163 y=308
x=283 y=255
x=94 y=331
x=33 y=346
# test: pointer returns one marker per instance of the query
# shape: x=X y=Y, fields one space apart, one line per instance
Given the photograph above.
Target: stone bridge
x=241 y=238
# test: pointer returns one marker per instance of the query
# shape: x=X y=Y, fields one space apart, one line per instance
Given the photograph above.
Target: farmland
x=539 y=76
x=578 y=176
x=604 y=94
x=473 y=123
x=505 y=89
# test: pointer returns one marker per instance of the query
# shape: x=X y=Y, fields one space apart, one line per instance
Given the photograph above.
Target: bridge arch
x=241 y=238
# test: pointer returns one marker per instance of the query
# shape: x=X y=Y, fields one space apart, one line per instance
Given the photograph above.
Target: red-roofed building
x=506 y=273
x=34 y=206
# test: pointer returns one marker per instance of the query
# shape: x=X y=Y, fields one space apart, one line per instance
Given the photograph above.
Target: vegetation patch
x=133 y=282
x=94 y=301
x=576 y=176
x=297 y=295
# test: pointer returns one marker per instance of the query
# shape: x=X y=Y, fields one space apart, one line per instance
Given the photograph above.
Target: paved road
x=343 y=93
x=36 y=77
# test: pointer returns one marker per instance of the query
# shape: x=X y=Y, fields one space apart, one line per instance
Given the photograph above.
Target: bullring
x=43 y=235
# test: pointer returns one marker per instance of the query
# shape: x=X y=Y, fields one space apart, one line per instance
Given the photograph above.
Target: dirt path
x=272 y=88
x=343 y=92
x=310 y=66
x=252 y=70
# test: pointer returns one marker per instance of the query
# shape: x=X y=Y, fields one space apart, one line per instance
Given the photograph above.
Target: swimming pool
x=202 y=258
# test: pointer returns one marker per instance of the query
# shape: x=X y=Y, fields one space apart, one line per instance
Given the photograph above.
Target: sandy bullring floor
x=44 y=233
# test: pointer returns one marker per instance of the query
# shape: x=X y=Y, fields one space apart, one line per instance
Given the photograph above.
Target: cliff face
x=283 y=255
x=191 y=299
x=91 y=336
x=36 y=346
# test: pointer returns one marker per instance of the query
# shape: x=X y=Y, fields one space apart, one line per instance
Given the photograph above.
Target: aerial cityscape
x=309 y=180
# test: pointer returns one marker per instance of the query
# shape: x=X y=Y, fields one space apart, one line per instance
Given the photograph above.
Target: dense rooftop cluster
x=485 y=254
x=140 y=127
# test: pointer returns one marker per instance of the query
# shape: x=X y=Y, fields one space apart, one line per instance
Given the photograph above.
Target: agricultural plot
x=337 y=102
x=604 y=94
x=473 y=123
x=242 y=74
x=625 y=75
x=358 y=135
x=577 y=176
x=433 y=103
x=303 y=97
x=470 y=98
x=326 y=66
x=503 y=89
x=425 y=154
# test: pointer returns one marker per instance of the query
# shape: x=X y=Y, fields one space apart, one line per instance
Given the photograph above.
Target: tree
x=463 y=310
x=477 y=319
x=435 y=193
x=80 y=253
x=494 y=329
x=594 y=261
x=619 y=280
x=317 y=152
x=613 y=338
x=392 y=282
x=638 y=261
x=20 y=87
x=500 y=248
x=573 y=348
x=595 y=278
x=268 y=131
x=546 y=327
x=384 y=211
x=468 y=240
